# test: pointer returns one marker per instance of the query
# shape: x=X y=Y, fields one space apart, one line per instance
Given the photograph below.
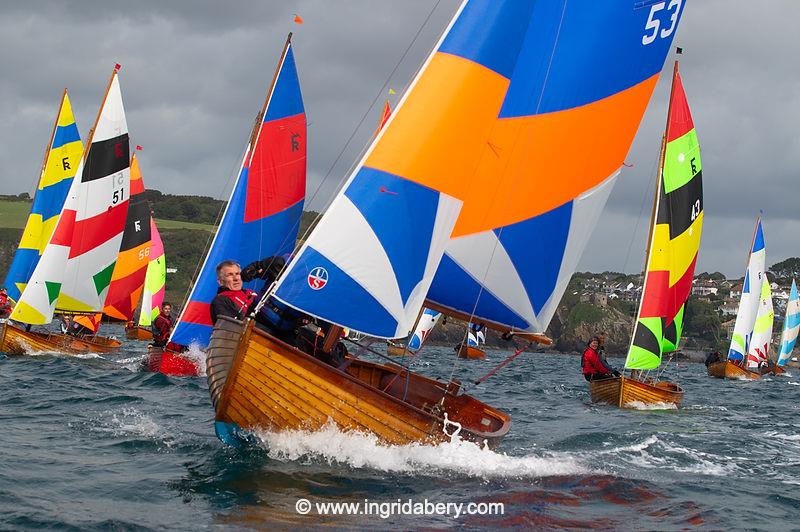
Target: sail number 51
x=653 y=23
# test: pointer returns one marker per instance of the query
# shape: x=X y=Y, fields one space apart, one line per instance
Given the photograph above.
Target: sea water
x=96 y=443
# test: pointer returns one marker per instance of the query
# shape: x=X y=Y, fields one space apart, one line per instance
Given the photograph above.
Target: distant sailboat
x=75 y=270
x=675 y=229
x=733 y=366
x=791 y=325
x=471 y=348
x=155 y=281
x=262 y=216
x=506 y=144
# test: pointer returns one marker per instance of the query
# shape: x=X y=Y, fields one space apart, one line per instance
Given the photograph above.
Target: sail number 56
x=653 y=23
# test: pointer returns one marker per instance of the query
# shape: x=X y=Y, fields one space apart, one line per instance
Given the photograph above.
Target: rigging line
x=378 y=96
x=639 y=218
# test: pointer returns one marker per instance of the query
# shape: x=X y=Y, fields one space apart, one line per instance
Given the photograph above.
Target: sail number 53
x=654 y=23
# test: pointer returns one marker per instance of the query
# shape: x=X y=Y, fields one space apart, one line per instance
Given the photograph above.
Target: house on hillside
x=704 y=288
x=729 y=307
x=736 y=290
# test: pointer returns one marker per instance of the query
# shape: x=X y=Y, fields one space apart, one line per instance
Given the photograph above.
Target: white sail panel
x=748 y=304
x=762 y=329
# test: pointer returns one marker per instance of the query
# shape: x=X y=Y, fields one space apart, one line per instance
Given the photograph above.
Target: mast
x=656 y=203
x=260 y=118
x=89 y=139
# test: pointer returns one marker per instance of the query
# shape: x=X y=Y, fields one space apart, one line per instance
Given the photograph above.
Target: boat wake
x=457 y=456
x=638 y=405
x=198 y=356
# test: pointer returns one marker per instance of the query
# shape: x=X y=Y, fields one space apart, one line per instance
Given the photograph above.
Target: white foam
x=638 y=405
x=198 y=356
x=458 y=456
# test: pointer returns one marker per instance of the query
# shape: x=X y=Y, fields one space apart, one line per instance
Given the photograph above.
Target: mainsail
x=791 y=325
x=58 y=170
x=75 y=269
x=134 y=253
x=748 y=304
x=155 y=279
x=263 y=213
x=674 y=238
x=524 y=113
x=758 y=352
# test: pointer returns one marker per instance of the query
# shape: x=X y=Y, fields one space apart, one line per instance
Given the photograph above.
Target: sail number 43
x=654 y=23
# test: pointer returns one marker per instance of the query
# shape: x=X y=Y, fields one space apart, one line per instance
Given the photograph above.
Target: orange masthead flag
x=298 y=19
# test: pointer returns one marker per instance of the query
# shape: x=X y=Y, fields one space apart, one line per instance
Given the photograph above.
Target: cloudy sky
x=195 y=74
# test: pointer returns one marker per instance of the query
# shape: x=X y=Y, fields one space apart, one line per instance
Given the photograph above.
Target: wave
x=361 y=450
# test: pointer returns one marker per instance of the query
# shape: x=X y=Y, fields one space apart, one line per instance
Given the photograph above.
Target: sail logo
x=318 y=278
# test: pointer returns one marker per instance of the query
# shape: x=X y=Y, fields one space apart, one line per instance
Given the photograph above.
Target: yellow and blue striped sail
x=60 y=165
x=523 y=114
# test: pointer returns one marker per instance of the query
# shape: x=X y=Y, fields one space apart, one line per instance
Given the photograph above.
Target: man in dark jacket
x=162 y=325
x=592 y=364
x=232 y=300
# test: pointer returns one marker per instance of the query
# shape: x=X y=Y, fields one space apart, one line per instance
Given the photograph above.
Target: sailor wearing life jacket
x=592 y=364
x=232 y=300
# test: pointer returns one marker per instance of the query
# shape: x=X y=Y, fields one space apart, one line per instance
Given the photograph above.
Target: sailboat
x=758 y=352
x=425 y=325
x=791 y=325
x=471 y=348
x=675 y=227
x=262 y=216
x=733 y=366
x=505 y=144
x=76 y=267
x=155 y=281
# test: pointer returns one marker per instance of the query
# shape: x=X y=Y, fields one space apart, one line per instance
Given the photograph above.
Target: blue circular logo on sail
x=318 y=278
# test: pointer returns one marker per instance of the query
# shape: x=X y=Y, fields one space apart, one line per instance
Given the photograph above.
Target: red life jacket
x=242 y=298
x=591 y=363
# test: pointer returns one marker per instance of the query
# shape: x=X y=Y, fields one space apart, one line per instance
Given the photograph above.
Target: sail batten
x=526 y=125
x=676 y=226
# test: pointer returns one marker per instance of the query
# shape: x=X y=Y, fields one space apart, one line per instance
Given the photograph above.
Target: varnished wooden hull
x=17 y=341
x=728 y=370
x=626 y=392
x=168 y=362
x=259 y=382
x=471 y=352
x=138 y=333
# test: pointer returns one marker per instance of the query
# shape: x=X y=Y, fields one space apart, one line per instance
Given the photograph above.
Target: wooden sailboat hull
x=625 y=392
x=17 y=341
x=259 y=382
x=138 y=333
x=773 y=370
x=728 y=370
x=471 y=352
x=168 y=362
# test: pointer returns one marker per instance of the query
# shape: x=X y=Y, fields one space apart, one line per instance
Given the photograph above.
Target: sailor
x=162 y=325
x=232 y=300
x=592 y=363
x=5 y=304
x=713 y=358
